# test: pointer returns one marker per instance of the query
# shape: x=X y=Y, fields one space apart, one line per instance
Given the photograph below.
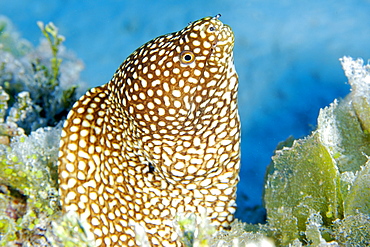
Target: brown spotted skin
x=161 y=138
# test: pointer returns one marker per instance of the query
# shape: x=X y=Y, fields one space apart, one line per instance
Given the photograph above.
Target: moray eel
x=161 y=138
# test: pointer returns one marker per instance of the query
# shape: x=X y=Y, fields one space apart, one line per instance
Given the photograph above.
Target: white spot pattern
x=161 y=138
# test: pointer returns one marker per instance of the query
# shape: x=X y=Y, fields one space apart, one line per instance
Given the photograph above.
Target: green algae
x=325 y=175
x=358 y=199
x=312 y=180
x=55 y=40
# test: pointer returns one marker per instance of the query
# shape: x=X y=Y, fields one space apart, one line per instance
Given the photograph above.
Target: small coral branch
x=50 y=31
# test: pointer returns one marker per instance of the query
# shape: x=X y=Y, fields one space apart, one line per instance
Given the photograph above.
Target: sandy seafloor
x=286 y=54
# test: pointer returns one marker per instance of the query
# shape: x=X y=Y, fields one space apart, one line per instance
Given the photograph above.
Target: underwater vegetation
x=317 y=189
x=36 y=91
x=40 y=89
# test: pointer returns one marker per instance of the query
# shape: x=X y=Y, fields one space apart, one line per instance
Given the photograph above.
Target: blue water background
x=286 y=54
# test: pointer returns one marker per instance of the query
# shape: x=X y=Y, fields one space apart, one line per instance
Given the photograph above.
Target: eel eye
x=187 y=57
x=212 y=28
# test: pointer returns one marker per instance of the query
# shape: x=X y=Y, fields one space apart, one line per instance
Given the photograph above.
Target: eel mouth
x=225 y=36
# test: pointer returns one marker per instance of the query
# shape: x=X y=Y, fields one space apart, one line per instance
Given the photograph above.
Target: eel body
x=160 y=138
